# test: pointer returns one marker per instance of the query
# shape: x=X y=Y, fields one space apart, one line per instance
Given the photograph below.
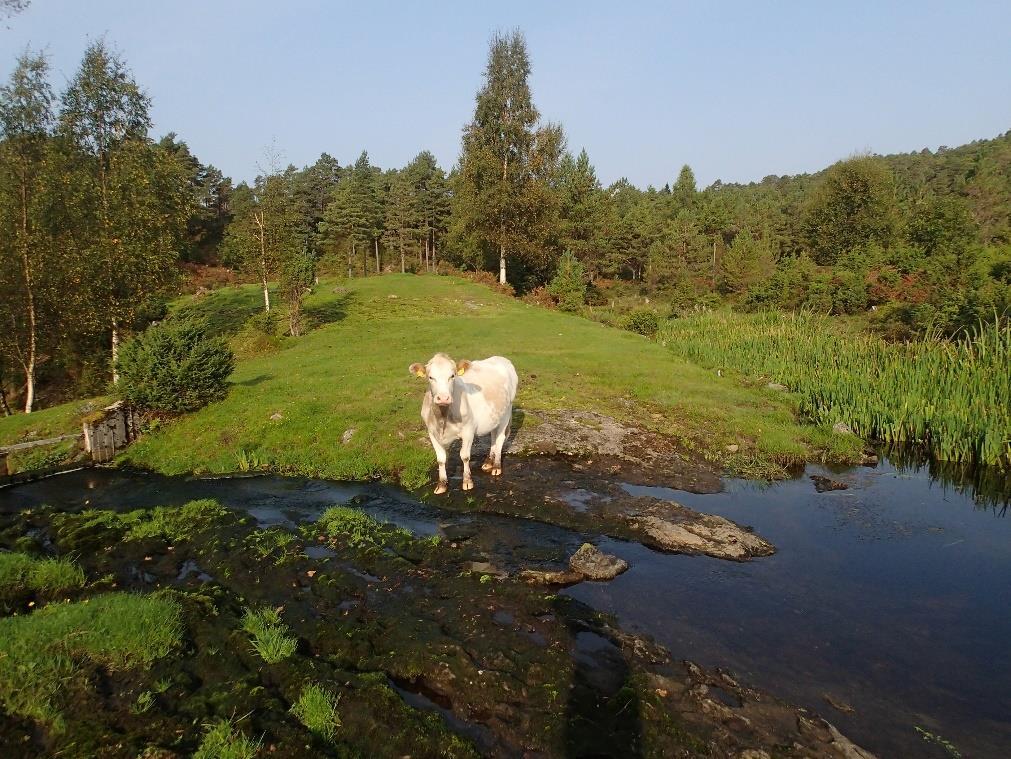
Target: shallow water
x=891 y=597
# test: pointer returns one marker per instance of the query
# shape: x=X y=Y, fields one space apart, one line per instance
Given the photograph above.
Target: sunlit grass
x=316 y=708
x=20 y=573
x=270 y=637
x=41 y=652
x=223 y=741
x=289 y=410
x=952 y=396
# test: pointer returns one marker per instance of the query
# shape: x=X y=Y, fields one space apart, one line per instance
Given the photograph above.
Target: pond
x=886 y=608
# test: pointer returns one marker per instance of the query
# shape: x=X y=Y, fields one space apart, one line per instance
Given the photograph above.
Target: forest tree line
x=97 y=217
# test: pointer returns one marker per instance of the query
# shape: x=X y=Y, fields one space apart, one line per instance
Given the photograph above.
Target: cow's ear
x=462 y=366
x=417 y=369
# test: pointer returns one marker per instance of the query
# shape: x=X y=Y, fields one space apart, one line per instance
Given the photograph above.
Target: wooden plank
x=36 y=443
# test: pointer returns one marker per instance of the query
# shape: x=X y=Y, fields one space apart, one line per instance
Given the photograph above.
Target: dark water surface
x=892 y=598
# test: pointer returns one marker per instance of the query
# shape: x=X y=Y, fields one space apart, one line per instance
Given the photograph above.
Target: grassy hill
x=339 y=402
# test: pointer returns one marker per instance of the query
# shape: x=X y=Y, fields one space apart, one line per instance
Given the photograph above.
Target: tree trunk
x=403 y=258
x=3 y=400
x=377 y=255
x=115 y=352
x=435 y=261
x=501 y=265
x=261 y=223
x=266 y=293
x=29 y=364
x=351 y=255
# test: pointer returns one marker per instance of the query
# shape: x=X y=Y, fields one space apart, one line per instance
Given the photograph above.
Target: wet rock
x=594 y=564
x=827 y=484
x=548 y=577
x=838 y=705
x=708 y=534
x=868 y=459
x=841 y=428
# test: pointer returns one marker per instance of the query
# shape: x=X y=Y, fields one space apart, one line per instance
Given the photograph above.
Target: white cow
x=466 y=399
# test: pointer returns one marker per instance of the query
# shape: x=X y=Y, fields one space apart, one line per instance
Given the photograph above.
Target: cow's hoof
x=468 y=484
x=496 y=471
x=441 y=488
x=487 y=466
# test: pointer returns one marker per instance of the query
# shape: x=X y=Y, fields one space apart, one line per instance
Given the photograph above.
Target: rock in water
x=594 y=564
x=708 y=534
x=826 y=484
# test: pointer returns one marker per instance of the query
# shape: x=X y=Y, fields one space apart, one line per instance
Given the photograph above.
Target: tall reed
x=953 y=396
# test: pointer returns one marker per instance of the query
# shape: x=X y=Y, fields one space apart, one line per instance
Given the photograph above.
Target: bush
x=569 y=283
x=175 y=367
x=642 y=322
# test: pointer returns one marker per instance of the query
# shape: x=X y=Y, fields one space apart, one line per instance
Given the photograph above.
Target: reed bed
x=952 y=396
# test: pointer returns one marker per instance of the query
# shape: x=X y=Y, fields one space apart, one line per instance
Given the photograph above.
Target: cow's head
x=440 y=371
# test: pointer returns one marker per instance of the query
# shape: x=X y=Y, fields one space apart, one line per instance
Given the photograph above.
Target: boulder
x=594 y=564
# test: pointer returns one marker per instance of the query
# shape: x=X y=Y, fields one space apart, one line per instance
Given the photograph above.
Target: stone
x=348 y=434
x=708 y=534
x=826 y=484
x=543 y=577
x=594 y=564
x=777 y=387
x=732 y=448
x=841 y=428
x=276 y=416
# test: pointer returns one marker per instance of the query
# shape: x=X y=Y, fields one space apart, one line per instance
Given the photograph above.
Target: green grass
x=269 y=634
x=40 y=653
x=316 y=708
x=954 y=397
x=223 y=741
x=173 y=523
x=352 y=374
x=20 y=573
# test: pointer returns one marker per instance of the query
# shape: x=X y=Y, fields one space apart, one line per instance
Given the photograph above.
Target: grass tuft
x=20 y=574
x=270 y=635
x=223 y=741
x=41 y=652
x=316 y=708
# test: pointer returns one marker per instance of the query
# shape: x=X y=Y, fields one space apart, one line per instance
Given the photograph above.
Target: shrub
x=569 y=283
x=316 y=708
x=175 y=367
x=642 y=321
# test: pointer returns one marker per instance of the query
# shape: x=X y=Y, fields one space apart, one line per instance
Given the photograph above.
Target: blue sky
x=737 y=90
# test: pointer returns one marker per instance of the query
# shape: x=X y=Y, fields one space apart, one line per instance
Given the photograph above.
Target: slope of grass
x=350 y=376
x=49 y=422
x=20 y=573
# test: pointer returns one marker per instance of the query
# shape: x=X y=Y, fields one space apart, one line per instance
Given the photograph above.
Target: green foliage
x=42 y=651
x=853 y=205
x=172 y=523
x=223 y=741
x=316 y=708
x=175 y=367
x=747 y=262
x=953 y=397
x=20 y=573
x=270 y=635
x=642 y=321
x=356 y=528
x=569 y=283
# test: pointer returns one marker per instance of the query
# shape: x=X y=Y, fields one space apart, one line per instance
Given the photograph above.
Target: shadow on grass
x=329 y=310
x=253 y=381
x=225 y=311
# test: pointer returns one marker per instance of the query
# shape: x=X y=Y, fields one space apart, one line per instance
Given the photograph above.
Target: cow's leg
x=466 y=441
x=496 y=449
x=440 y=456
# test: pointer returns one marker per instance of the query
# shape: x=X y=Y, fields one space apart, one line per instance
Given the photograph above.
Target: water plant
x=223 y=741
x=954 y=397
x=316 y=708
x=173 y=523
x=270 y=636
x=40 y=652
x=357 y=528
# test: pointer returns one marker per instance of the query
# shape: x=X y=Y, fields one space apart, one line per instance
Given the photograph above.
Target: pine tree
x=685 y=192
x=582 y=210
x=355 y=213
x=747 y=262
x=402 y=226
